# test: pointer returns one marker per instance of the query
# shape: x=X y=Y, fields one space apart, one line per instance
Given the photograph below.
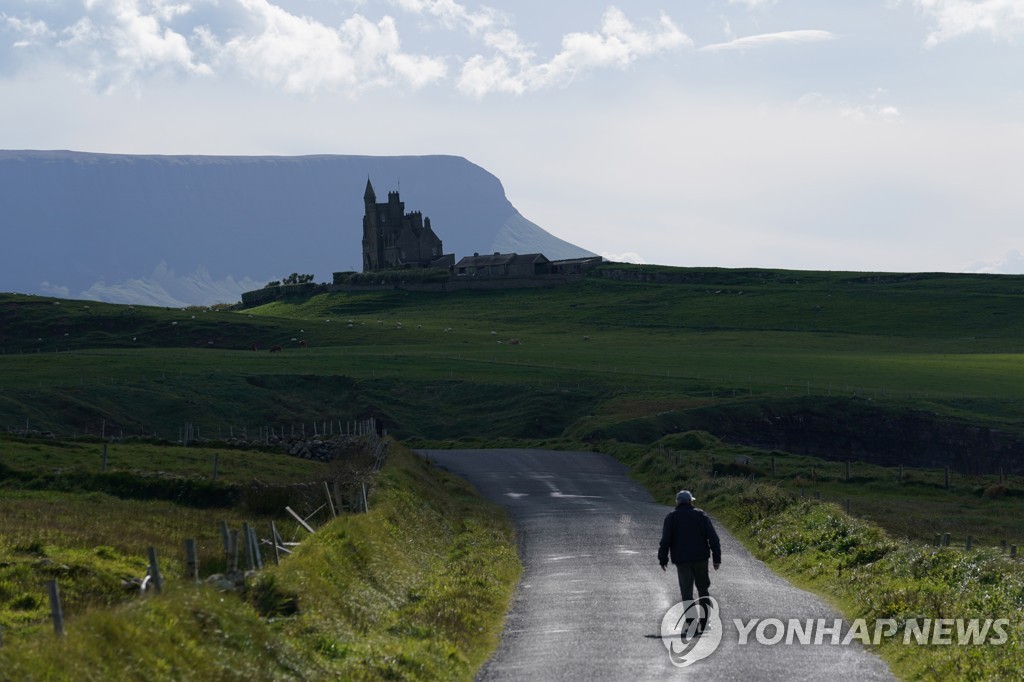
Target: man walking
x=688 y=534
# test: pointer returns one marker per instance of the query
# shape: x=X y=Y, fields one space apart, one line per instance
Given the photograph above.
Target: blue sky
x=815 y=135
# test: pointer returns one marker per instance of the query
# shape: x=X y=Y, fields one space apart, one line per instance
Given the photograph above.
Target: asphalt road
x=592 y=596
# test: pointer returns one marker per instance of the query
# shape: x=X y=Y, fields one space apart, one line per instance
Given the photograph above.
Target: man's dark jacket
x=691 y=537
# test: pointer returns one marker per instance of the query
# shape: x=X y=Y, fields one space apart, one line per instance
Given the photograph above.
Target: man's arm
x=714 y=543
x=666 y=540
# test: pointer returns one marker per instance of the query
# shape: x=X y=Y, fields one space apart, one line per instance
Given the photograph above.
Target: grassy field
x=63 y=518
x=415 y=589
x=946 y=343
x=812 y=369
x=870 y=563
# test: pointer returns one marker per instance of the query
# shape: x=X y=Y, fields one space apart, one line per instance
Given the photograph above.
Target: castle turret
x=393 y=238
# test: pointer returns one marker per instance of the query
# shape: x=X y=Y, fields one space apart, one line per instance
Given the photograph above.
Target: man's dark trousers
x=695 y=573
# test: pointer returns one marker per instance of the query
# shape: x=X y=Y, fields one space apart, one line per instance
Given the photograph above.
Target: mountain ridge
x=199 y=229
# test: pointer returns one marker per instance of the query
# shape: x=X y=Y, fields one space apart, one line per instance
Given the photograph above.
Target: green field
x=677 y=371
x=952 y=344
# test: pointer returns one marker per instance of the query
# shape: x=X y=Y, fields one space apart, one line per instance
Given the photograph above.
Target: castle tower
x=393 y=238
x=372 y=238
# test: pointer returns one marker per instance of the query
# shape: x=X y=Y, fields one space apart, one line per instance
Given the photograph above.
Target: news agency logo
x=687 y=643
x=691 y=631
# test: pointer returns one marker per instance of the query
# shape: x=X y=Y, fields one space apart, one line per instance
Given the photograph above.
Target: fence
x=742 y=466
x=243 y=548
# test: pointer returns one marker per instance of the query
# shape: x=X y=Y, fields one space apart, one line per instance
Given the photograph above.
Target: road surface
x=592 y=597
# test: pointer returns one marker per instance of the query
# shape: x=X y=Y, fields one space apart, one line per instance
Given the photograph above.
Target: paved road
x=592 y=597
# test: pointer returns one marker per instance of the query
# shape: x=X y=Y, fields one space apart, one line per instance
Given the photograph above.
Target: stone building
x=503 y=265
x=393 y=238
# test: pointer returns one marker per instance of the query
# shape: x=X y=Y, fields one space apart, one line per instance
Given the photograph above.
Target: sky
x=881 y=135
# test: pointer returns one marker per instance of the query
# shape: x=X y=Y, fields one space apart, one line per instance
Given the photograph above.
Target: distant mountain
x=177 y=230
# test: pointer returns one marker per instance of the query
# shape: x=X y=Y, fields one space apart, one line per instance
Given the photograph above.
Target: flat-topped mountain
x=176 y=230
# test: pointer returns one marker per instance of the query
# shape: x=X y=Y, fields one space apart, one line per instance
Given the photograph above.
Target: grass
x=415 y=589
x=866 y=570
x=886 y=338
x=235 y=465
x=922 y=369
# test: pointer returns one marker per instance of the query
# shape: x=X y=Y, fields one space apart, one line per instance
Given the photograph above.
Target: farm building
x=503 y=265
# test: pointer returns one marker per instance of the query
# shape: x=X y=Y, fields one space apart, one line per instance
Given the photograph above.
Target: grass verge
x=861 y=569
x=415 y=589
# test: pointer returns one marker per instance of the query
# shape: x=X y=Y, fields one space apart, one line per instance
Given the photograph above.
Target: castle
x=393 y=238
x=396 y=240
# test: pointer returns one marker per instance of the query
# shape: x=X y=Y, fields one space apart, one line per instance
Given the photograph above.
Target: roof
x=478 y=261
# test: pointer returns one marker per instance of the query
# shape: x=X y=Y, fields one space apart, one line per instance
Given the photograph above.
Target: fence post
x=225 y=539
x=233 y=551
x=847 y=506
x=55 y=608
x=191 y=560
x=154 y=571
x=366 y=502
x=302 y=521
x=938 y=539
x=330 y=502
x=945 y=539
x=969 y=543
x=1013 y=551
x=256 y=548
x=103 y=463
x=274 y=540
x=250 y=556
x=216 y=464
x=1002 y=546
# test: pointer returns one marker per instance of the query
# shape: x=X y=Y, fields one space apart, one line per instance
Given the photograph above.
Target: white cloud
x=165 y=288
x=618 y=44
x=626 y=257
x=871 y=112
x=31 y=31
x=303 y=55
x=860 y=111
x=118 y=42
x=54 y=290
x=455 y=16
x=752 y=4
x=1002 y=19
x=770 y=39
x=1012 y=263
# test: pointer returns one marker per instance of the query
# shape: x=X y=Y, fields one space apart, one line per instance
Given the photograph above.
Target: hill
x=921 y=367
x=180 y=230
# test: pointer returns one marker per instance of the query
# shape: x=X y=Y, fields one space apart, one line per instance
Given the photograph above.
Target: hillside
x=924 y=367
x=180 y=230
